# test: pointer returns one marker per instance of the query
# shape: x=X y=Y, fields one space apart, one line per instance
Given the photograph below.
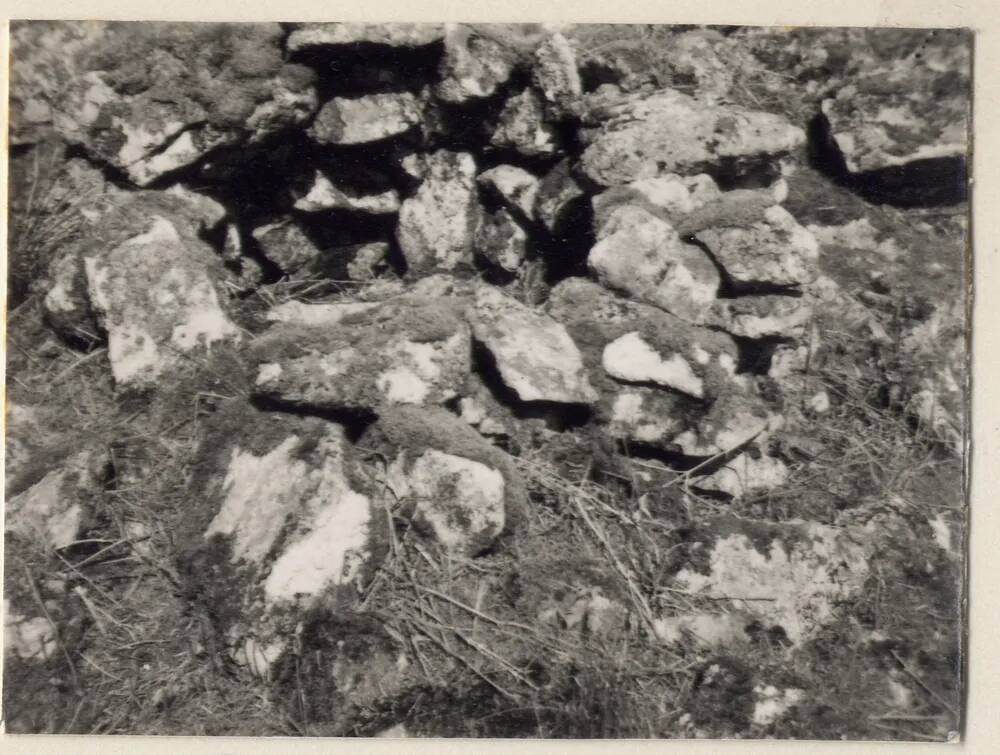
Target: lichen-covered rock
x=774 y=249
x=465 y=491
x=908 y=109
x=522 y=126
x=556 y=193
x=437 y=225
x=308 y=35
x=515 y=187
x=636 y=136
x=501 y=241
x=645 y=257
x=535 y=355
x=155 y=295
x=369 y=261
x=789 y=575
x=744 y=475
x=370 y=118
x=473 y=66
x=555 y=73
x=761 y=316
x=734 y=419
x=325 y=195
x=669 y=196
x=158 y=97
x=301 y=313
x=285 y=244
x=405 y=351
x=53 y=512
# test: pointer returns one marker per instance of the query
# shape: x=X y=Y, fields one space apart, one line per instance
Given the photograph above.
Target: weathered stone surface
x=516 y=187
x=396 y=34
x=556 y=192
x=535 y=355
x=408 y=350
x=437 y=225
x=555 y=73
x=734 y=419
x=761 y=316
x=301 y=313
x=156 y=297
x=53 y=512
x=669 y=196
x=908 y=109
x=324 y=195
x=716 y=631
x=473 y=65
x=286 y=245
x=370 y=261
x=631 y=359
x=28 y=638
x=370 y=118
x=148 y=105
x=790 y=575
x=522 y=126
x=745 y=474
x=774 y=249
x=644 y=256
x=501 y=241
x=636 y=136
x=465 y=491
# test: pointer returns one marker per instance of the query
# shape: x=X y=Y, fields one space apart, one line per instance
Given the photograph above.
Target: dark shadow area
x=354 y=421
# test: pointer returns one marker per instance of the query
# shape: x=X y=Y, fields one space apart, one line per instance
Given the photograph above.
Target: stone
x=515 y=187
x=324 y=195
x=648 y=416
x=912 y=108
x=501 y=241
x=771 y=703
x=147 y=106
x=716 y=631
x=555 y=73
x=308 y=35
x=556 y=193
x=302 y=313
x=366 y=119
x=27 y=638
x=370 y=261
x=408 y=350
x=763 y=316
x=156 y=297
x=635 y=136
x=631 y=359
x=669 y=196
x=774 y=250
x=790 y=575
x=465 y=492
x=473 y=65
x=535 y=355
x=744 y=475
x=55 y=510
x=734 y=419
x=522 y=127
x=437 y=225
x=644 y=256
x=286 y=245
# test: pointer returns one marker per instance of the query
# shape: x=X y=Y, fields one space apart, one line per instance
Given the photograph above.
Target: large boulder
x=535 y=355
x=644 y=256
x=370 y=118
x=159 y=97
x=437 y=225
x=409 y=350
x=636 y=136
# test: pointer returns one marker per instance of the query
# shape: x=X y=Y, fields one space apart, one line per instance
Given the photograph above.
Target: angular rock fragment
x=516 y=187
x=762 y=316
x=535 y=355
x=54 y=511
x=501 y=241
x=286 y=245
x=370 y=261
x=465 y=492
x=636 y=136
x=669 y=196
x=370 y=118
x=644 y=256
x=408 y=350
x=149 y=120
x=522 y=127
x=437 y=225
x=744 y=475
x=631 y=359
x=324 y=195
x=473 y=65
x=156 y=297
x=308 y=35
x=555 y=73
x=556 y=192
x=788 y=575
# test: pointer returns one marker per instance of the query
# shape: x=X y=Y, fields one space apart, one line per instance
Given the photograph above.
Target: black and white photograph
x=487 y=380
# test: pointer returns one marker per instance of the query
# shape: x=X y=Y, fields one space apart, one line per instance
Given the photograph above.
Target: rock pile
x=507 y=244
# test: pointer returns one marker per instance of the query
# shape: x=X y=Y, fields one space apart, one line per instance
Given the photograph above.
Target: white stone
x=744 y=475
x=632 y=359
